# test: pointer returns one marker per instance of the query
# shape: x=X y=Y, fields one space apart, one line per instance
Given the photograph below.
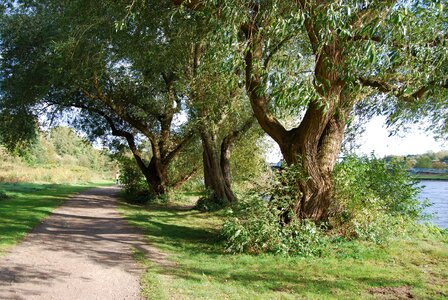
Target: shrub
x=255 y=225
x=210 y=202
x=135 y=185
x=373 y=198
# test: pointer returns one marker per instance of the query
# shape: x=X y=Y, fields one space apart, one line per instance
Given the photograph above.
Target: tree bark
x=157 y=176
x=317 y=154
x=216 y=160
x=315 y=144
x=216 y=170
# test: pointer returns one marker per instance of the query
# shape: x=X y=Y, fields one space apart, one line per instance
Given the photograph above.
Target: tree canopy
x=326 y=60
x=92 y=57
x=132 y=68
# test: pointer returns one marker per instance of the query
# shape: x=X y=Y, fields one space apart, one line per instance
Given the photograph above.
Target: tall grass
x=13 y=169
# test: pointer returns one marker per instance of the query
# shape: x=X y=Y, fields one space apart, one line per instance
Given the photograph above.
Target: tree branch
x=399 y=92
x=122 y=113
x=255 y=86
x=181 y=181
x=118 y=132
x=131 y=142
x=275 y=49
x=170 y=155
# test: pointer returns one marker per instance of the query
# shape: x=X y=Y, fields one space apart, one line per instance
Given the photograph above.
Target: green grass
x=348 y=271
x=431 y=177
x=26 y=204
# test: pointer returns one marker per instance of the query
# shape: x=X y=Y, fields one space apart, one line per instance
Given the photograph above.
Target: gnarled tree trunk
x=315 y=144
x=316 y=150
x=216 y=160
x=217 y=169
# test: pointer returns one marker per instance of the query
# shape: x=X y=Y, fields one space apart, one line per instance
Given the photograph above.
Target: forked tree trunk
x=157 y=176
x=217 y=169
x=316 y=152
x=315 y=144
x=216 y=160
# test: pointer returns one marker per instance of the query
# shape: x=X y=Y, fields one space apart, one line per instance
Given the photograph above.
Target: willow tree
x=322 y=59
x=118 y=71
x=223 y=120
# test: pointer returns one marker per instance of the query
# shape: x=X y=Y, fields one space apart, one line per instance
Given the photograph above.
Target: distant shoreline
x=430 y=178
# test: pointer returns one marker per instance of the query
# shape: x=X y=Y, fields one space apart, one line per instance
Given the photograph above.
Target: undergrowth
x=374 y=201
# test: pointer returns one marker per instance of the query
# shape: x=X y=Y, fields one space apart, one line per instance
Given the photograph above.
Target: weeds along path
x=84 y=250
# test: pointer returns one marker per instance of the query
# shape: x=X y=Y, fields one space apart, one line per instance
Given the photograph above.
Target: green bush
x=374 y=198
x=135 y=185
x=209 y=202
x=255 y=225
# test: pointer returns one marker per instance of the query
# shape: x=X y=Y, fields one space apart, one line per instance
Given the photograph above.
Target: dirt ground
x=82 y=251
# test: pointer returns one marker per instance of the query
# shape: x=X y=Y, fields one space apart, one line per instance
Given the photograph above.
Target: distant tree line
x=428 y=160
x=62 y=146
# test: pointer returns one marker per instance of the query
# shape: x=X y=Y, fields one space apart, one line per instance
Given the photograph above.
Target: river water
x=437 y=193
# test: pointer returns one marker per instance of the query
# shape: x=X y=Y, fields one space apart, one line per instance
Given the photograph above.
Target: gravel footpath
x=82 y=251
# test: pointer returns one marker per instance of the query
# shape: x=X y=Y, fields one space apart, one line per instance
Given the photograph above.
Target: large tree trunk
x=157 y=176
x=316 y=151
x=217 y=169
x=216 y=160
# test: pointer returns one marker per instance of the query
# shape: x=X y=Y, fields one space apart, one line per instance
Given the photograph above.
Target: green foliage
x=135 y=186
x=247 y=161
x=17 y=129
x=62 y=146
x=90 y=62
x=423 y=162
x=374 y=199
x=428 y=160
x=43 y=161
x=254 y=226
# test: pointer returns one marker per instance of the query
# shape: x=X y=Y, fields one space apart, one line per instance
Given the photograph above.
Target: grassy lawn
x=26 y=204
x=349 y=270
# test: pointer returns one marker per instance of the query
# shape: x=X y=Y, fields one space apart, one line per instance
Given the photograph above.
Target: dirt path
x=82 y=251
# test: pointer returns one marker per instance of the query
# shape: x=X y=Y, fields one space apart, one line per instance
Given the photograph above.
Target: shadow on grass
x=161 y=228
x=199 y=248
x=27 y=205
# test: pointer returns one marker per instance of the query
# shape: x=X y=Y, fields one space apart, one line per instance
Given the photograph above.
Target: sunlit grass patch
x=26 y=205
x=348 y=270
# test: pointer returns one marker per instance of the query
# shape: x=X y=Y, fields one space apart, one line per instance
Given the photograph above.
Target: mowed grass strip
x=349 y=270
x=24 y=205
